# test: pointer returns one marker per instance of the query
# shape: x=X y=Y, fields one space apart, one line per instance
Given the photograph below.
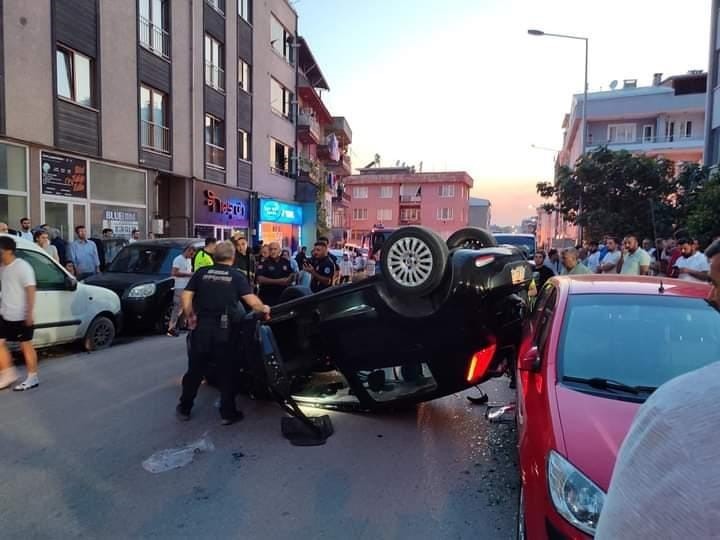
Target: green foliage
x=703 y=220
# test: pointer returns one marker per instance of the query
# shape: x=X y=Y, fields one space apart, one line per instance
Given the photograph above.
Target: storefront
x=76 y=191
x=281 y=222
x=220 y=211
x=13 y=184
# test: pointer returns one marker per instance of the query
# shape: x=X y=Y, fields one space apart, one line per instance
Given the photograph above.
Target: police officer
x=204 y=257
x=210 y=303
x=321 y=268
x=273 y=276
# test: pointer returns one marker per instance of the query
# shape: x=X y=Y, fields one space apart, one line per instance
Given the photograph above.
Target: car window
x=527 y=243
x=47 y=274
x=544 y=318
x=144 y=260
x=640 y=340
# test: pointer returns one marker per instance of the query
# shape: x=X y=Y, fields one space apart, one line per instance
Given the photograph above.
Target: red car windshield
x=637 y=340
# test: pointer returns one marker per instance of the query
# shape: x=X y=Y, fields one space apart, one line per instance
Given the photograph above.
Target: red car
x=593 y=351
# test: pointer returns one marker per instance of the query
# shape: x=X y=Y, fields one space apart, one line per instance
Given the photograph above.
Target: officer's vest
x=201 y=260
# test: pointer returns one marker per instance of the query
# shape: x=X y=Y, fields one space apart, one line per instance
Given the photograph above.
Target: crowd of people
x=677 y=257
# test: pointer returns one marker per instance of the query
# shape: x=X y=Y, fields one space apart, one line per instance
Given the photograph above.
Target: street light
x=583 y=135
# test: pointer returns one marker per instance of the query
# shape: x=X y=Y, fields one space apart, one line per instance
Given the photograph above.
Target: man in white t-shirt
x=609 y=263
x=182 y=272
x=693 y=265
x=17 y=303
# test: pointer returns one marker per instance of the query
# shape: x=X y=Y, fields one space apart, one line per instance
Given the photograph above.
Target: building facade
x=177 y=118
x=397 y=196
x=712 y=121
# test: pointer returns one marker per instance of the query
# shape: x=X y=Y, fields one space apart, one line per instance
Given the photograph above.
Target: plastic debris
x=175 y=458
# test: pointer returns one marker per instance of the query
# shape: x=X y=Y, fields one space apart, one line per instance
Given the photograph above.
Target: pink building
x=397 y=196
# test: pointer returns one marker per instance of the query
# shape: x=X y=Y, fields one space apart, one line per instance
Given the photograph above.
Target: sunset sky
x=459 y=85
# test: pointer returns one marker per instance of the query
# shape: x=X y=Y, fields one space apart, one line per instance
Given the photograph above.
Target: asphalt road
x=72 y=453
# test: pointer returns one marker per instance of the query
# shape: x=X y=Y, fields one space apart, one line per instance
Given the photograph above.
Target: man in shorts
x=17 y=280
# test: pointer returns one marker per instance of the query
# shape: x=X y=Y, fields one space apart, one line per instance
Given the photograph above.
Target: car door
x=57 y=315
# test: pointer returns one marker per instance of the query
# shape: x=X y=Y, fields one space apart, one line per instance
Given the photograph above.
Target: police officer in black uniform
x=273 y=276
x=320 y=267
x=210 y=304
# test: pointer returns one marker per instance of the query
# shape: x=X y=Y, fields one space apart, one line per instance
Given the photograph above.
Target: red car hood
x=593 y=429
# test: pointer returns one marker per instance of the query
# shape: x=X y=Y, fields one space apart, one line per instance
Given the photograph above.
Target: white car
x=65 y=310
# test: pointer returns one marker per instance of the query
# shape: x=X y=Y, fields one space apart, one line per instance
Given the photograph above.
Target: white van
x=65 y=310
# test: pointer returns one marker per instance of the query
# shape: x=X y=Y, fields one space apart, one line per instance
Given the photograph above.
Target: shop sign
x=218 y=206
x=280 y=212
x=63 y=176
x=122 y=222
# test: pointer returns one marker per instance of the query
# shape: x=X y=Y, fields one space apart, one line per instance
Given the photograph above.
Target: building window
x=360 y=192
x=686 y=129
x=217 y=5
x=447 y=191
x=75 y=77
x=281 y=40
x=280 y=99
x=244 y=9
x=214 y=142
x=244 y=75
x=386 y=192
x=154 y=130
x=154 y=27
x=214 y=63
x=621 y=133
x=648 y=133
x=409 y=214
x=360 y=214
x=445 y=214
x=13 y=184
x=280 y=157
x=384 y=214
x=243 y=145
x=670 y=131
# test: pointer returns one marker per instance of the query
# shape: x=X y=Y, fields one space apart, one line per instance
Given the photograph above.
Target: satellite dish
x=613 y=85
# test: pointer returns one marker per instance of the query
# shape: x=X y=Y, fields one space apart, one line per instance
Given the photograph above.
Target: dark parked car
x=526 y=242
x=442 y=317
x=140 y=274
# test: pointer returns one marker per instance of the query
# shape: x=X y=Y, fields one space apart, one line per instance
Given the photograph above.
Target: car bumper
x=140 y=311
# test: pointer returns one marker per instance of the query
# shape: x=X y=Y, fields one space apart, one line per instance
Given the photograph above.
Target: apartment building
x=712 y=122
x=396 y=196
x=666 y=119
x=173 y=117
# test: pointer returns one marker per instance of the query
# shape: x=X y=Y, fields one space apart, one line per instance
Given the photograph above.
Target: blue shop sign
x=280 y=212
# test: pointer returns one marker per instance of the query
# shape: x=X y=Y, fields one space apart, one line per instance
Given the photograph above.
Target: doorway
x=65 y=216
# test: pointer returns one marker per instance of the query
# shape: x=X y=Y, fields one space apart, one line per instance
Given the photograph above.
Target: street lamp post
x=583 y=135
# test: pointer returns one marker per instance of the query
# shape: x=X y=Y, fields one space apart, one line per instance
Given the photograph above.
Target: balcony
x=155 y=137
x=215 y=156
x=341 y=129
x=410 y=200
x=341 y=199
x=310 y=168
x=154 y=38
x=215 y=77
x=342 y=167
x=651 y=144
x=309 y=131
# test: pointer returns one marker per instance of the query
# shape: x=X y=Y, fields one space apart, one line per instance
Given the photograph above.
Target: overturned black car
x=441 y=317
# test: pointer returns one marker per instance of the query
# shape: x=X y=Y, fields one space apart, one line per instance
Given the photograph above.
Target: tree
x=703 y=219
x=612 y=192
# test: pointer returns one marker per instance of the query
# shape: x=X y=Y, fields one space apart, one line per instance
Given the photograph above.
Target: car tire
x=293 y=293
x=413 y=261
x=100 y=334
x=471 y=238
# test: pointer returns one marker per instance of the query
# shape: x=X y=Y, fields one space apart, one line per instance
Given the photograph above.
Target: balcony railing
x=308 y=121
x=410 y=198
x=154 y=38
x=667 y=139
x=155 y=137
x=215 y=156
x=215 y=77
x=410 y=221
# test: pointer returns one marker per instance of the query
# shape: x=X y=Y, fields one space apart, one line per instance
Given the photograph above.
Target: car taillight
x=480 y=362
x=483 y=260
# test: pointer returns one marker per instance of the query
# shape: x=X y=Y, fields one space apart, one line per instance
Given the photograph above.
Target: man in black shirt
x=244 y=260
x=544 y=273
x=321 y=268
x=273 y=276
x=301 y=257
x=210 y=302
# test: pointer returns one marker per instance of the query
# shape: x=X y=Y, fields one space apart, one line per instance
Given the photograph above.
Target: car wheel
x=471 y=238
x=521 y=515
x=293 y=293
x=413 y=261
x=99 y=335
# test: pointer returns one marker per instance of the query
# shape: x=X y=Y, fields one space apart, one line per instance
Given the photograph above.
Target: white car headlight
x=574 y=495
x=142 y=291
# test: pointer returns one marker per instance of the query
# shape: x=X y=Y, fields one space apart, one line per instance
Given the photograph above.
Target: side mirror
x=530 y=361
x=71 y=283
